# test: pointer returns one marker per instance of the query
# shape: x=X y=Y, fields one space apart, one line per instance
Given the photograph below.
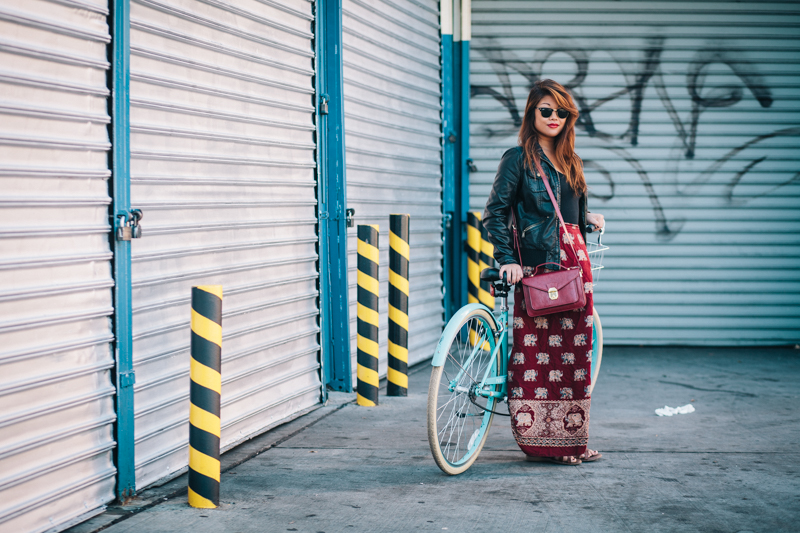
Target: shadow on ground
x=730 y=466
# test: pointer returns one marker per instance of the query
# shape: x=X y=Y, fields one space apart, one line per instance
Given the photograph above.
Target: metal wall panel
x=56 y=396
x=222 y=164
x=689 y=133
x=391 y=56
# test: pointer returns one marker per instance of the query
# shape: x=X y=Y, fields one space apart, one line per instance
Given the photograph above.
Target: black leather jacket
x=515 y=185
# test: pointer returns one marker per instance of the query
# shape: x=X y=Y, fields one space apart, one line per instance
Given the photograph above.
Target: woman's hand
x=596 y=219
x=514 y=273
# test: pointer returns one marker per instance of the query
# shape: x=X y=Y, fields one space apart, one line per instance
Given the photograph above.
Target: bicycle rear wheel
x=597 y=348
x=458 y=419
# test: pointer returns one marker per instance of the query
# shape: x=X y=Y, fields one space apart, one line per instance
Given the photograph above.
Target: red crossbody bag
x=556 y=291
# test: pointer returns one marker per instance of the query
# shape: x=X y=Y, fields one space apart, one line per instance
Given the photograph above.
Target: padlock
x=350 y=217
x=136 y=229
x=124 y=232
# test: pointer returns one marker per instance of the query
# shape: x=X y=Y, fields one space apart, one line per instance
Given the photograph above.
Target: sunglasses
x=547 y=111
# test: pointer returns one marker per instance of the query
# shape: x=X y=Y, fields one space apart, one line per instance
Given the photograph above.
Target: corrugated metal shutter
x=392 y=91
x=222 y=164
x=56 y=397
x=689 y=134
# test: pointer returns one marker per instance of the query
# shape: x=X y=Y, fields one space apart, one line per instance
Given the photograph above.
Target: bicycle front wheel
x=458 y=418
x=597 y=348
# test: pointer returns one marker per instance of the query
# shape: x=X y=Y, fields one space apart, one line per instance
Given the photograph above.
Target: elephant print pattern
x=550 y=400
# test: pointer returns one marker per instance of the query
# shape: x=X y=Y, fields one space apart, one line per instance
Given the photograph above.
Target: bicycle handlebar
x=591 y=228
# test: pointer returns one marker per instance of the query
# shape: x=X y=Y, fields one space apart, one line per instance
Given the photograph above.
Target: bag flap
x=558 y=280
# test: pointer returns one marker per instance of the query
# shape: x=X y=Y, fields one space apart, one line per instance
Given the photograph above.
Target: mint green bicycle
x=468 y=381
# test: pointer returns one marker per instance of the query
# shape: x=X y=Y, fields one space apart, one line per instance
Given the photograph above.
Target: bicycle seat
x=490 y=274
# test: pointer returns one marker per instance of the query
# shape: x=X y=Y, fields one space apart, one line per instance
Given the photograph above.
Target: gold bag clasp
x=553 y=293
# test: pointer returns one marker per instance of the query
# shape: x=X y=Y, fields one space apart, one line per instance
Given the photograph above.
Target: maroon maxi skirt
x=550 y=368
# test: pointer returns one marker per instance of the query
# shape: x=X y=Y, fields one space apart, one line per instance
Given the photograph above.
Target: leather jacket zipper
x=532 y=226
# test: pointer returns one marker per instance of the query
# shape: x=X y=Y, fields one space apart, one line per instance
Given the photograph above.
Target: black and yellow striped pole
x=206 y=388
x=474 y=268
x=473 y=257
x=367 y=345
x=486 y=261
x=399 y=255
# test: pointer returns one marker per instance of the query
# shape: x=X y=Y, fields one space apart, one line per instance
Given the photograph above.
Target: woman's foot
x=590 y=456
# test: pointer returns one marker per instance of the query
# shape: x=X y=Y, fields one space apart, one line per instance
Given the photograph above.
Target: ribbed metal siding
x=699 y=184
x=222 y=164
x=392 y=109
x=56 y=397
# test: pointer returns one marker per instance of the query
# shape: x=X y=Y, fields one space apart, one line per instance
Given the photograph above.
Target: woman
x=550 y=367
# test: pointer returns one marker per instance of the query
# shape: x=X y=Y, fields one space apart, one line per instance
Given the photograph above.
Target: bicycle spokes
x=460 y=413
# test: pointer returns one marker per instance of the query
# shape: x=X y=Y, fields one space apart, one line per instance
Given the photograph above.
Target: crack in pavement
x=737 y=393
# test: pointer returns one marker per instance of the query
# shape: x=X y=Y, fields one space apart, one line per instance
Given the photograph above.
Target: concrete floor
x=732 y=466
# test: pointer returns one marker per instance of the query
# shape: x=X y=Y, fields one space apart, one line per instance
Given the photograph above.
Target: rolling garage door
x=689 y=133
x=391 y=56
x=56 y=395
x=223 y=167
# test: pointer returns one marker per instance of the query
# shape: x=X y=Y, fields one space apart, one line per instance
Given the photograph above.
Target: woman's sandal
x=591 y=458
x=569 y=461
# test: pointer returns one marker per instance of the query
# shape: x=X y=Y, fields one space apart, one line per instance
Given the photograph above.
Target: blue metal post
x=459 y=216
x=461 y=125
x=452 y=237
x=463 y=136
x=332 y=196
x=121 y=192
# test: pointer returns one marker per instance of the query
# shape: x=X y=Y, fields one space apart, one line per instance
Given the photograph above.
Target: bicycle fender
x=452 y=327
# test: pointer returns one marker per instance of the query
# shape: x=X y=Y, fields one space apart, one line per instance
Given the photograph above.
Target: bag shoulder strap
x=555 y=204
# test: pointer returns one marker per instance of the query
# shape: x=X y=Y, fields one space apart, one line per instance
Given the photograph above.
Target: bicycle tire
x=456 y=457
x=597 y=348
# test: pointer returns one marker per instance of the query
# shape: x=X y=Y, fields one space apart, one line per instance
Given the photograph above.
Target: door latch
x=128 y=225
x=127 y=379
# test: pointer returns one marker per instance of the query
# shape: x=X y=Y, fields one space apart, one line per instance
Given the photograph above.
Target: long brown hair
x=565 y=156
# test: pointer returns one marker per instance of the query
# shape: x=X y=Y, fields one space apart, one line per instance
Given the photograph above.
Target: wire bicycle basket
x=596 y=251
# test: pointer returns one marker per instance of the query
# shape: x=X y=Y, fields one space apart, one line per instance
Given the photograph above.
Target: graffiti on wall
x=638 y=75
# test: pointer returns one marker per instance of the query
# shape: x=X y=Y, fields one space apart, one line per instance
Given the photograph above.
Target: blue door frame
x=451 y=224
x=332 y=197
x=119 y=131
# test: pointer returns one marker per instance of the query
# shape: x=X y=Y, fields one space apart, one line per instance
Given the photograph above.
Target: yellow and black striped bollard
x=368 y=317
x=206 y=388
x=474 y=269
x=486 y=261
x=399 y=255
x=473 y=257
